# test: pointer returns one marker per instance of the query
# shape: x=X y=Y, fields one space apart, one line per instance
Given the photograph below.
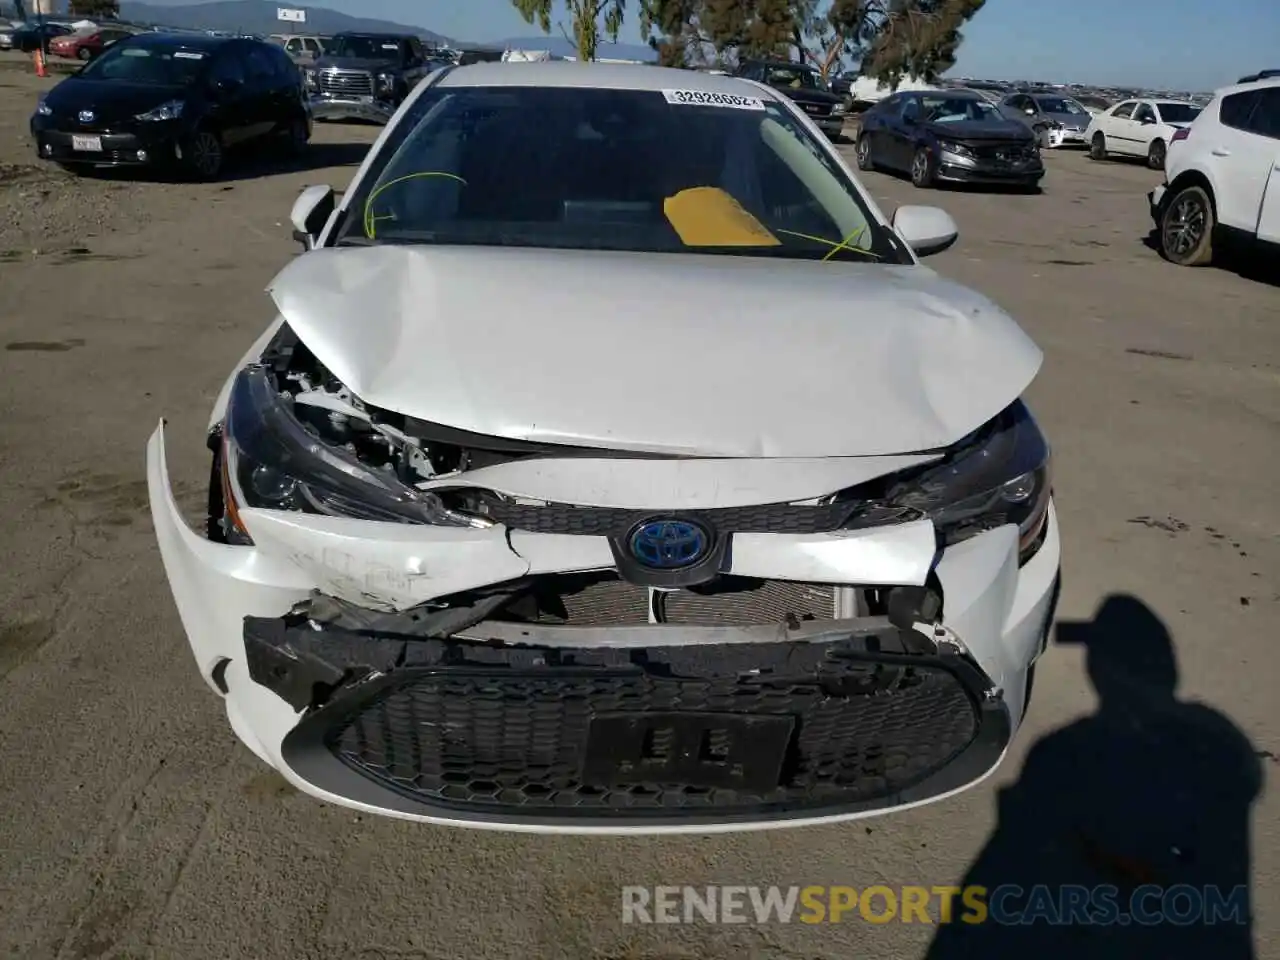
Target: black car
x=948 y=135
x=804 y=86
x=366 y=76
x=174 y=101
x=35 y=36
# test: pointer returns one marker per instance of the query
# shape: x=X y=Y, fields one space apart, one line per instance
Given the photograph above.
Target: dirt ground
x=133 y=825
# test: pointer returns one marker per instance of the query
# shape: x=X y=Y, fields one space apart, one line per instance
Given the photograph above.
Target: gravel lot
x=134 y=826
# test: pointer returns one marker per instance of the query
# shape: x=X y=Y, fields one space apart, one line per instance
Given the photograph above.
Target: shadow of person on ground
x=1148 y=793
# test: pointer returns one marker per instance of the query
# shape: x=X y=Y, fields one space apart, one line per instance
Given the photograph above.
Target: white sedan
x=1139 y=128
x=611 y=464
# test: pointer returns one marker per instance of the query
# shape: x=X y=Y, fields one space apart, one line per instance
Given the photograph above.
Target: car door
x=875 y=122
x=231 y=111
x=1146 y=126
x=904 y=128
x=267 y=102
x=1262 y=157
x=1119 y=128
x=415 y=62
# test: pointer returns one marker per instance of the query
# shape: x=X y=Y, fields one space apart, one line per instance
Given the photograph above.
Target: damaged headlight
x=996 y=476
x=272 y=460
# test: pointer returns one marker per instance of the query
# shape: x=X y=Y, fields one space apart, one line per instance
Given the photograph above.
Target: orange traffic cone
x=39 y=58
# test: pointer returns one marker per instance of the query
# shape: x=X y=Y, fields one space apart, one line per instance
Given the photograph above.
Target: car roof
x=601 y=76
x=1262 y=84
x=196 y=41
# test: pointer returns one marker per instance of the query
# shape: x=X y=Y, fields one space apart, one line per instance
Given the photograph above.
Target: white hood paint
x=679 y=354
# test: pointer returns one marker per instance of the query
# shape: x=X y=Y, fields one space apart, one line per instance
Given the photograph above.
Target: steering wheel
x=371 y=218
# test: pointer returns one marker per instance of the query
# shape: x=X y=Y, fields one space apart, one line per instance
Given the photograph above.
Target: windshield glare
x=161 y=66
x=1059 y=105
x=956 y=109
x=363 y=48
x=1178 y=112
x=634 y=170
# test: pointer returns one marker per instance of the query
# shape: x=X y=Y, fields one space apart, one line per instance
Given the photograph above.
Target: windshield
x=1178 y=112
x=639 y=170
x=1060 y=105
x=160 y=65
x=956 y=109
x=797 y=77
x=363 y=48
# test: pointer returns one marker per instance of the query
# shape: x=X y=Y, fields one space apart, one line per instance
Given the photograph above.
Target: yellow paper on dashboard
x=709 y=217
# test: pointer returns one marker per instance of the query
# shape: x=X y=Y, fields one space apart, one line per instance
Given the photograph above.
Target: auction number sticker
x=703 y=98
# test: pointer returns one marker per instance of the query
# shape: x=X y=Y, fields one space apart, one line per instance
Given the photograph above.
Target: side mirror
x=926 y=230
x=311 y=211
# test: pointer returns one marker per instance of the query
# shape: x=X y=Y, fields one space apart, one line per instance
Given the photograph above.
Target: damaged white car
x=613 y=465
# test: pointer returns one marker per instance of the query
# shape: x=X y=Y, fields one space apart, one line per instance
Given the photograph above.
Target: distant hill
x=561 y=47
x=259 y=16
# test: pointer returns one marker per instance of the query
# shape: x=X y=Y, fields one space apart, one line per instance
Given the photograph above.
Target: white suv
x=1222 y=175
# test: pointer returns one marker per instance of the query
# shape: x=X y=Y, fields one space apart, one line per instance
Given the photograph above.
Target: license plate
x=90 y=144
x=734 y=751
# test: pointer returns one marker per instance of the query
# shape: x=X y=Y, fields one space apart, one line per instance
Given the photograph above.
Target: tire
x=863 y=153
x=294 y=138
x=203 y=155
x=1186 y=228
x=923 y=172
x=85 y=54
x=1098 y=147
x=1156 y=155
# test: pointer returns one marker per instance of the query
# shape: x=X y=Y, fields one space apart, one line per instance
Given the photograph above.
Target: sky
x=1179 y=44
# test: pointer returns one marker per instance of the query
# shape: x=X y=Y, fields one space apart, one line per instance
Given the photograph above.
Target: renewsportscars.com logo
x=1009 y=904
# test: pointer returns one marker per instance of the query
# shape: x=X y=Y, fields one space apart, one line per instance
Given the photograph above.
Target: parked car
x=365 y=76
x=6 y=36
x=948 y=136
x=1093 y=103
x=38 y=36
x=174 y=101
x=803 y=84
x=1139 y=128
x=456 y=571
x=1260 y=75
x=1065 y=118
x=302 y=49
x=89 y=44
x=1222 y=176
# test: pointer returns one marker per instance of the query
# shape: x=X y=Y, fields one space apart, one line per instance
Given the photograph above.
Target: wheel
x=1098 y=147
x=1186 y=228
x=922 y=170
x=84 y=53
x=203 y=155
x=863 y=153
x=1156 y=155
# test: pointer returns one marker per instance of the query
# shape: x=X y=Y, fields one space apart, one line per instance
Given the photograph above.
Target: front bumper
x=497 y=724
x=990 y=174
x=331 y=107
x=122 y=148
x=1155 y=202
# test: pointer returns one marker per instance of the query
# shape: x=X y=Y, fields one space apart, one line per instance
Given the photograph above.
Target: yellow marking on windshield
x=836 y=247
x=710 y=217
x=371 y=222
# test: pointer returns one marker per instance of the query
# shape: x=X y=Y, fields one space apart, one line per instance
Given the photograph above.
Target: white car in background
x=1222 y=176
x=1139 y=128
x=659 y=488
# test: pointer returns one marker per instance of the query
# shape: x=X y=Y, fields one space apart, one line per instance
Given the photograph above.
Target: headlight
x=959 y=149
x=43 y=109
x=166 y=111
x=839 y=110
x=998 y=475
x=386 y=82
x=273 y=461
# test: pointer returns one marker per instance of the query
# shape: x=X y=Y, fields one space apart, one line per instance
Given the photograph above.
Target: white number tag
x=702 y=98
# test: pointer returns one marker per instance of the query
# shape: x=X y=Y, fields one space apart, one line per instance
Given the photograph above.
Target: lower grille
x=346 y=83
x=510 y=742
x=736 y=602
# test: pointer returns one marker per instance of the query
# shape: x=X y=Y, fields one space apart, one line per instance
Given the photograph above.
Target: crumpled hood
x=713 y=356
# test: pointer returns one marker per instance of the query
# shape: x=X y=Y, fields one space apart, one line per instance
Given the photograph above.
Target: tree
x=826 y=35
x=96 y=9
x=585 y=16
x=917 y=38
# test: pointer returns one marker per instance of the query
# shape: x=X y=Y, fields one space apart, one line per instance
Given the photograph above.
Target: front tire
x=1186 y=228
x=203 y=155
x=863 y=153
x=923 y=172
x=1156 y=155
x=1098 y=147
x=84 y=54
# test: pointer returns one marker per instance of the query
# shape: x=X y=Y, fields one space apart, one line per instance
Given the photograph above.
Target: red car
x=86 y=46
